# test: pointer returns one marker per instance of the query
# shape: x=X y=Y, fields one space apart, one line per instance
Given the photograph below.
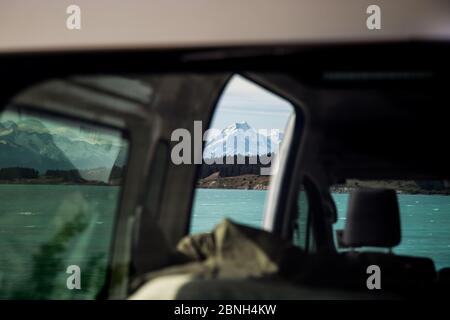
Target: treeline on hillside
x=232 y=166
x=65 y=175
x=18 y=173
x=14 y=174
x=401 y=186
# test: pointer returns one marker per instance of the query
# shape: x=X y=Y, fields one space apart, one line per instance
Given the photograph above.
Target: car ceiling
x=161 y=24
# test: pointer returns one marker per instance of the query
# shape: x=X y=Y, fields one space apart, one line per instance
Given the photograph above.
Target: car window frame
x=36 y=110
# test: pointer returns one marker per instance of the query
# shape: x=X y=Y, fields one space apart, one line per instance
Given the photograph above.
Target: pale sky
x=243 y=100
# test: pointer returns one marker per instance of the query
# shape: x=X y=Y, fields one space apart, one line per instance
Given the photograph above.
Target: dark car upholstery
x=373 y=220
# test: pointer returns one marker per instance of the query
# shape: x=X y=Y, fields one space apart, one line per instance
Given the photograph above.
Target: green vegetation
x=19 y=175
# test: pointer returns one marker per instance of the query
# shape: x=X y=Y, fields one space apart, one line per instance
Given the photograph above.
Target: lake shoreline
x=56 y=183
x=256 y=182
x=337 y=191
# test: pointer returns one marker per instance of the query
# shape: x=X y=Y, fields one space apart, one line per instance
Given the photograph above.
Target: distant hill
x=29 y=144
x=401 y=186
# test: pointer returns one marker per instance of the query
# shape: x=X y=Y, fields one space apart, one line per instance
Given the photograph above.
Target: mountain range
x=241 y=139
x=30 y=144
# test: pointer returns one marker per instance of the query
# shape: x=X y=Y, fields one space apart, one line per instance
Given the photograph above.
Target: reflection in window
x=59 y=189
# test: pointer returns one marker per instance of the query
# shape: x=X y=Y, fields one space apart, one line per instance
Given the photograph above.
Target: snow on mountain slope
x=241 y=139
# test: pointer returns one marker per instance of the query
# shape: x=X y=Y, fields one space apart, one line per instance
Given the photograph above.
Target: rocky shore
x=257 y=182
x=245 y=182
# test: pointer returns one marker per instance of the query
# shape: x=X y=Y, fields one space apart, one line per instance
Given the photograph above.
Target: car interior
x=362 y=111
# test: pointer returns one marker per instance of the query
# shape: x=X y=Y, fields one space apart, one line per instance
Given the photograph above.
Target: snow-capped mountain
x=241 y=139
x=276 y=136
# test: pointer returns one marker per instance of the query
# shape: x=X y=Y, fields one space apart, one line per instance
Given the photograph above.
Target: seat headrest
x=373 y=219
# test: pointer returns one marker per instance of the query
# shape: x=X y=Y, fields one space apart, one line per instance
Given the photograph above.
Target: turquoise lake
x=425 y=218
x=46 y=228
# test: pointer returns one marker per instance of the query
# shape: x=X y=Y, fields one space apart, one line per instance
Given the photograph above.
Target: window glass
x=245 y=135
x=59 y=192
x=424 y=215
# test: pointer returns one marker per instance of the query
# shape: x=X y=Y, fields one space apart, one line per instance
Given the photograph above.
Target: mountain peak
x=242 y=125
x=241 y=138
